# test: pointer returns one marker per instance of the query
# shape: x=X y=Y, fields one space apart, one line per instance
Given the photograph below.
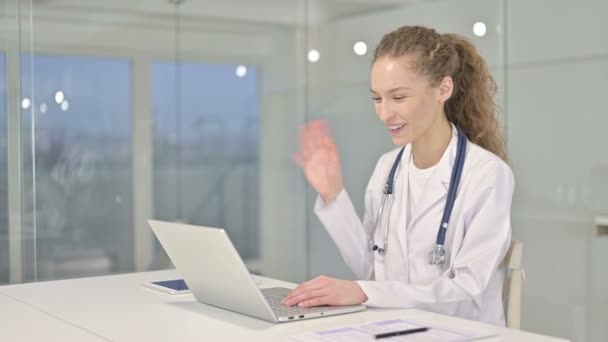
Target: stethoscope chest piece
x=438 y=255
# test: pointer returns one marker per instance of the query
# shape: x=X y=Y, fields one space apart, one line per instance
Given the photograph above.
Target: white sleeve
x=350 y=235
x=487 y=239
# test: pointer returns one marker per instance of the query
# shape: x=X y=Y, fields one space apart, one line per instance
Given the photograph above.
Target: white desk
x=21 y=322
x=117 y=308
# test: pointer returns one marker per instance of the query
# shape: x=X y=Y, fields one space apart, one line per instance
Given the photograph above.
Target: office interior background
x=113 y=112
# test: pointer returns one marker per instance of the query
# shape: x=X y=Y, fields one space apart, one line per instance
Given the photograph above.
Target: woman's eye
x=398 y=98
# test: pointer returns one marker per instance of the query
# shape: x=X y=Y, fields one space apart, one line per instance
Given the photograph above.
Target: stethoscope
x=438 y=255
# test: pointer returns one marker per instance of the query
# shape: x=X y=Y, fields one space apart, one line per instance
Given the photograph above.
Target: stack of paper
x=368 y=332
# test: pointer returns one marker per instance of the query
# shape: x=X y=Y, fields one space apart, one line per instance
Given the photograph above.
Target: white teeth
x=394 y=127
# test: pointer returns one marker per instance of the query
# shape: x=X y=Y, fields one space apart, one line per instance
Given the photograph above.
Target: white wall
x=557 y=73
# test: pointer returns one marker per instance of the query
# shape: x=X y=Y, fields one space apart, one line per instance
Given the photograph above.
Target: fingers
x=309 y=140
x=306 y=297
x=307 y=286
x=318 y=130
x=324 y=300
x=330 y=146
x=313 y=136
x=317 y=283
x=320 y=127
x=325 y=291
x=298 y=157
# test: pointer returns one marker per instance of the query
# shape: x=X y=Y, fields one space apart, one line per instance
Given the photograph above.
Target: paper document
x=367 y=332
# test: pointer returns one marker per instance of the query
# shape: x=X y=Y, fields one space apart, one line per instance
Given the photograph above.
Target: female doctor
x=437 y=208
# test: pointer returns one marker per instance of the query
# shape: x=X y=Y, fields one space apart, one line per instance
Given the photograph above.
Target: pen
x=401 y=332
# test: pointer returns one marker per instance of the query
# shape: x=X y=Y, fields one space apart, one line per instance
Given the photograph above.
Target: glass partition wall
x=116 y=112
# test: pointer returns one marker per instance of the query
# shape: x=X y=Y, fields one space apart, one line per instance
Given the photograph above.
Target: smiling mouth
x=395 y=127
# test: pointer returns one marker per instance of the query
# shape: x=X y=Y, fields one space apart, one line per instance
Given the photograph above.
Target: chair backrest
x=513 y=284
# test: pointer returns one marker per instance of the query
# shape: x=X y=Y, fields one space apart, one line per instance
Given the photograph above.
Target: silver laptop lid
x=212 y=268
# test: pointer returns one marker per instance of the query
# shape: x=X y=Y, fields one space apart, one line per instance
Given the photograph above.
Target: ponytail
x=472 y=106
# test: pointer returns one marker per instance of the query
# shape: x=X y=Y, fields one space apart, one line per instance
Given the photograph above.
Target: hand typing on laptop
x=210 y=264
x=325 y=290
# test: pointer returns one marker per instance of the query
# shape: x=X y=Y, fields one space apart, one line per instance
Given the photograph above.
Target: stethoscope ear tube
x=390 y=181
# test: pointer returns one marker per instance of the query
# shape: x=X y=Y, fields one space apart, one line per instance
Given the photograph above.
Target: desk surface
x=21 y=322
x=117 y=308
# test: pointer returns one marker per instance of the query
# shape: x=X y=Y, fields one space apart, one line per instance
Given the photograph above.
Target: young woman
x=434 y=94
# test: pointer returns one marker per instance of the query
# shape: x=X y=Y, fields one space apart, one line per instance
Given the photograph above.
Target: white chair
x=513 y=284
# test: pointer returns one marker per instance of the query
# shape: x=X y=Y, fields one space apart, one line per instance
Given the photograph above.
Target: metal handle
x=601 y=224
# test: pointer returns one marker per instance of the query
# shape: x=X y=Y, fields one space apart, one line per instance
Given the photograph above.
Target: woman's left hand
x=325 y=291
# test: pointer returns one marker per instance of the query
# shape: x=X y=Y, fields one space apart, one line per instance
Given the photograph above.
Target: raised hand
x=318 y=157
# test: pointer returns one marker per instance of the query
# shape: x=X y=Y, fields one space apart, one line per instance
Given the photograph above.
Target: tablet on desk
x=173 y=286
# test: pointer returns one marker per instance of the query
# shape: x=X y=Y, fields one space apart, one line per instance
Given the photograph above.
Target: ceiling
x=283 y=12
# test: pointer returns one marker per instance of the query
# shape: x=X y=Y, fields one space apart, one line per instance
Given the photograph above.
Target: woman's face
x=404 y=99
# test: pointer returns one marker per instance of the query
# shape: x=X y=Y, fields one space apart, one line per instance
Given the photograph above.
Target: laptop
x=217 y=276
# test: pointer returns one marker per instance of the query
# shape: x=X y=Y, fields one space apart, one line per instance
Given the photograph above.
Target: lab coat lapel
x=437 y=186
x=401 y=199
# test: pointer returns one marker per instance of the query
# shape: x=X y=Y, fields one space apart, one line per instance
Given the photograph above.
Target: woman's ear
x=446 y=87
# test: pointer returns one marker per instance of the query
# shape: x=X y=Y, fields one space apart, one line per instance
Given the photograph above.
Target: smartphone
x=173 y=286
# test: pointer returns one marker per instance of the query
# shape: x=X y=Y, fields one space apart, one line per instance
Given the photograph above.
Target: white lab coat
x=470 y=283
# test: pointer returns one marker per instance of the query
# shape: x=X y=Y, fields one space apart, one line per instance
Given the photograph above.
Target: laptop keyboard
x=274 y=295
